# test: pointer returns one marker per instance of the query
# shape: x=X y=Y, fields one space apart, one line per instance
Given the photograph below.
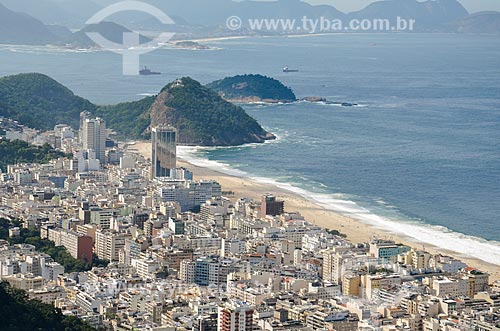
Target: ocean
x=418 y=155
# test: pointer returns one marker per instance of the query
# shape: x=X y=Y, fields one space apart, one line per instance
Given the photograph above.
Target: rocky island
x=190 y=45
x=253 y=88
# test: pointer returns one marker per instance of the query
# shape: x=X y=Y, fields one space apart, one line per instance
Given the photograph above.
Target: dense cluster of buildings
x=184 y=257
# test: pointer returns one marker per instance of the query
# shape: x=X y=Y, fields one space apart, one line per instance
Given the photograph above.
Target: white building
x=94 y=137
x=146 y=268
x=109 y=244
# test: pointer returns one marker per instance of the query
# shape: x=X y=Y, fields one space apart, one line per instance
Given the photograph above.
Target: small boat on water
x=148 y=72
x=286 y=69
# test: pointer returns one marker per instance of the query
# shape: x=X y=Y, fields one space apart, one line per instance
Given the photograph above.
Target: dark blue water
x=422 y=148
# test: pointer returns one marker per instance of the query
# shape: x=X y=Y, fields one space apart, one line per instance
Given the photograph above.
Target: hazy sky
x=351 y=5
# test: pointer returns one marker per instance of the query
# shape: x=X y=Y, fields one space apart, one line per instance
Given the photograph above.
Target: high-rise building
x=108 y=244
x=93 y=133
x=235 y=316
x=271 y=206
x=164 y=151
x=84 y=115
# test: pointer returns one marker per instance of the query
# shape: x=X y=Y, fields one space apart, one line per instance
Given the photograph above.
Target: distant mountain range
x=427 y=14
x=109 y=30
x=483 y=22
x=70 y=13
x=202 y=18
x=20 y=28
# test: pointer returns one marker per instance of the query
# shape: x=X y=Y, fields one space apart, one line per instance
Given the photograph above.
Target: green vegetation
x=336 y=233
x=59 y=254
x=40 y=102
x=200 y=114
x=203 y=117
x=18 y=313
x=253 y=87
x=17 y=151
x=129 y=119
x=381 y=270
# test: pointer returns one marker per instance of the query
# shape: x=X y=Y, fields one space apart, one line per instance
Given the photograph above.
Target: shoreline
x=355 y=230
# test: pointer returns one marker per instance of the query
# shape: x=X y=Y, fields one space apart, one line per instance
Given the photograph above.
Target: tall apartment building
x=84 y=115
x=271 y=206
x=93 y=135
x=78 y=245
x=108 y=244
x=164 y=148
x=102 y=216
x=332 y=266
x=235 y=316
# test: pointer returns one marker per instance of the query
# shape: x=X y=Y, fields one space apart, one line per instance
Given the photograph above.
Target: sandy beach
x=355 y=230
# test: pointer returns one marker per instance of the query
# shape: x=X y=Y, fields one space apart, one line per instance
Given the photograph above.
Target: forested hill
x=201 y=116
x=40 y=102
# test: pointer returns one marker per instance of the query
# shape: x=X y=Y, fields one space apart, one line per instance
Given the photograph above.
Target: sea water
x=419 y=154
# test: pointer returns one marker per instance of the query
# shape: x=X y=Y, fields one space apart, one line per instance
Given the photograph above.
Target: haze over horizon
x=352 y=5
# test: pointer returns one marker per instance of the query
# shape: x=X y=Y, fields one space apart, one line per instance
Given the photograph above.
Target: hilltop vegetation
x=40 y=102
x=17 y=151
x=18 y=313
x=200 y=114
x=128 y=119
x=203 y=117
x=252 y=88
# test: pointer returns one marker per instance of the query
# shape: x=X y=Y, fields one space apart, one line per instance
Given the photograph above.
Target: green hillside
x=200 y=114
x=128 y=119
x=40 y=102
x=203 y=117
